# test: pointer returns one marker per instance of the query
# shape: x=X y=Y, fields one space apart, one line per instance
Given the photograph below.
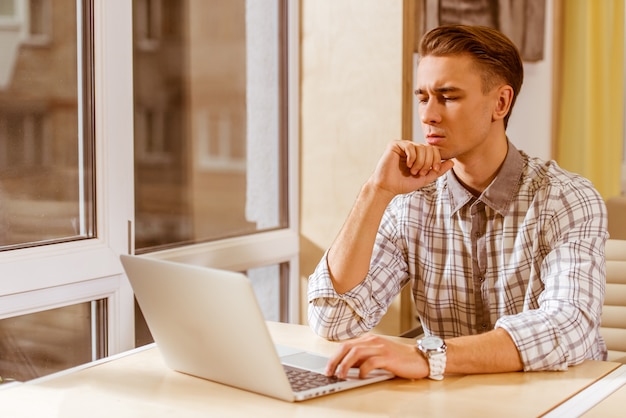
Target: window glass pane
x=271 y=287
x=45 y=134
x=41 y=343
x=210 y=140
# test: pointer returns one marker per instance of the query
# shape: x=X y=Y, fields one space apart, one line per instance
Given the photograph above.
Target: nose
x=429 y=112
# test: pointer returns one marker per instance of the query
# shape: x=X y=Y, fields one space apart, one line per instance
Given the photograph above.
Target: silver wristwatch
x=434 y=349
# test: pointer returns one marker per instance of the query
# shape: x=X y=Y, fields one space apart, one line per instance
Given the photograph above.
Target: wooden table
x=138 y=384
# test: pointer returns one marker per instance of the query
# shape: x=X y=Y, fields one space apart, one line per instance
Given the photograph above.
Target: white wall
x=530 y=126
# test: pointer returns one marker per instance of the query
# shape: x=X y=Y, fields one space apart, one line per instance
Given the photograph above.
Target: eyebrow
x=440 y=90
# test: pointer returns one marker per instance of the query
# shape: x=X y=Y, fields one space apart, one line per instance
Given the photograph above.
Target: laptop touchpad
x=306 y=361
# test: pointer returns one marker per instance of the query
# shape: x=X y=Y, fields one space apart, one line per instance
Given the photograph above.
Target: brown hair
x=494 y=53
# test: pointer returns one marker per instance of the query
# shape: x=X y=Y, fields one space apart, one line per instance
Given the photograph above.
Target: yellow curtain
x=590 y=132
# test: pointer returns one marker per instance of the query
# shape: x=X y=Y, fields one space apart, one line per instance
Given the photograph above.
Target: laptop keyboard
x=301 y=379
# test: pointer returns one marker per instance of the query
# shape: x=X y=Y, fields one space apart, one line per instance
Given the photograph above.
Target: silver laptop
x=207 y=323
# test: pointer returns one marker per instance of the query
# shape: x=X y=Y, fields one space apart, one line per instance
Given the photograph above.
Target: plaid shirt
x=526 y=256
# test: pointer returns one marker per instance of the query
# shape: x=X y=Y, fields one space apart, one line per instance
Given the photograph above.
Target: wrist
x=434 y=350
x=374 y=191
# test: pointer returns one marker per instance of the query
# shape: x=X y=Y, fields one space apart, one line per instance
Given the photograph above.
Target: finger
x=357 y=351
x=335 y=359
x=407 y=151
x=410 y=153
x=356 y=357
x=372 y=363
x=428 y=160
x=434 y=163
x=345 y=348
x=341 y=353
x=436 y=160
x=444 y=167
x=420 y=158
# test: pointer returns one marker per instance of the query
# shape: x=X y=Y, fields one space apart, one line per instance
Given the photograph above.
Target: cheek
x=473 y=125
x=480 y=116
x=468 y=119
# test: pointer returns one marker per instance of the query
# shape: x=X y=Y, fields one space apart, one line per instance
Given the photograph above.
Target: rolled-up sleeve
x=338 y=316
x=342 y=316
x=564 y=330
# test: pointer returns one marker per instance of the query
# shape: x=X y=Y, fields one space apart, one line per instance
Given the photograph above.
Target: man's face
x=456 y=116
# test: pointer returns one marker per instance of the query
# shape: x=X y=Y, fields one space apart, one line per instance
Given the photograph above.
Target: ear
x=504 y=96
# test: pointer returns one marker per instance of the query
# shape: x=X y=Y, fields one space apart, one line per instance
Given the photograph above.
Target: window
x=212 y=138
x=61 y=226
x=45 y=154
x=49 y=341
x=46 y=183
x=70 y=268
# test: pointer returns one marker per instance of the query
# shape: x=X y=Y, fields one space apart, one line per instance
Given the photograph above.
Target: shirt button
x=484 y=325
x=481 y=278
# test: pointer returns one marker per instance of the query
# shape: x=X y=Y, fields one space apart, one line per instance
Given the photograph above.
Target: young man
x=504 y=253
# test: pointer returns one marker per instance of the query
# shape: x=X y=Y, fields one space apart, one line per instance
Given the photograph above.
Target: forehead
x=459 y=71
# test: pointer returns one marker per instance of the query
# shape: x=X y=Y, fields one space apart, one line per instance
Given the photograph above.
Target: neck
x=476 y=172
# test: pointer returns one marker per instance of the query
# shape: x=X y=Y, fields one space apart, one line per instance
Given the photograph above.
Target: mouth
x=433 y=139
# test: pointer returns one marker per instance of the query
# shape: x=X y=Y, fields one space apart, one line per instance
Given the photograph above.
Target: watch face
x=432 y=343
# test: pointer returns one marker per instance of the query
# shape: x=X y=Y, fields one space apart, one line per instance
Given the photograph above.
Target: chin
x=445 y=154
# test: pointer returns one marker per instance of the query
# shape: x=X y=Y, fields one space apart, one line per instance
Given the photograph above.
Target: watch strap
x=437 y=365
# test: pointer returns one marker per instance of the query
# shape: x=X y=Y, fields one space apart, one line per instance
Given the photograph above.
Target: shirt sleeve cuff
x=321 y=287
x=537 y=342
x=335 y=315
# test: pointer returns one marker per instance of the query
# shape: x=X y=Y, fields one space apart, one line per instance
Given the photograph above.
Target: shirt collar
x=499 y=193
